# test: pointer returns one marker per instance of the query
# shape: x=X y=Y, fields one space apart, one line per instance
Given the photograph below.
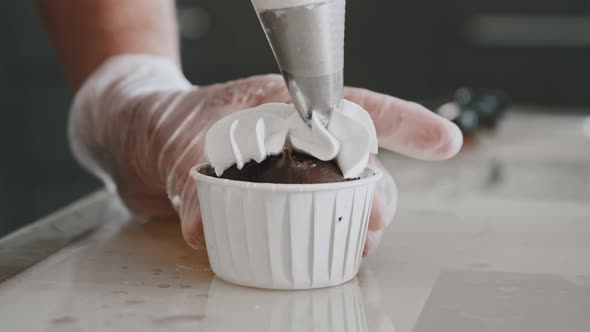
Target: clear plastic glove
x=140 y=126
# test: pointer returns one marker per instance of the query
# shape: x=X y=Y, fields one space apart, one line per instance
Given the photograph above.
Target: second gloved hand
x=140 y=126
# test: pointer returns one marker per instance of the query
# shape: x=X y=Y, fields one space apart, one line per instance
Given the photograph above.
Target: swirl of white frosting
x=256 y=133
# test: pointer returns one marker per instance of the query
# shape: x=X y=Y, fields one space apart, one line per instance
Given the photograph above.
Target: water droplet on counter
x=508 y=289
x=63 y=320
x=479 y=265
x=124 y=314
x=180 y=267
x=203 y=269
x=178 y=319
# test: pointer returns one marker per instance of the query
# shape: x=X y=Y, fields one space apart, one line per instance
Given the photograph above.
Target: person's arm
x=88 y=32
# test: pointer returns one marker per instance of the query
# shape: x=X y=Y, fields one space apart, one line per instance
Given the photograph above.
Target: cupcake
x=286 y=205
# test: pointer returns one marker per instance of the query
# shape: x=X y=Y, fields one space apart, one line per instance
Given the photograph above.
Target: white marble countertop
x=497 y=239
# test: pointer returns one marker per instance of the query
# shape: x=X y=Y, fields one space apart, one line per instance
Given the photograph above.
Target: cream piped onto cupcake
x=254 y=134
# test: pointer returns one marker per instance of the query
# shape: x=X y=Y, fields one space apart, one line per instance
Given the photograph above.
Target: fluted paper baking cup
x=285 y=236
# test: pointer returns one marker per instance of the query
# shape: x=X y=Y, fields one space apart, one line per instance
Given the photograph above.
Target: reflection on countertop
x=342 y=308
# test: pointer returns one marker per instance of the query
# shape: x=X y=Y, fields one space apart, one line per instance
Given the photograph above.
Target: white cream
x=256 y=133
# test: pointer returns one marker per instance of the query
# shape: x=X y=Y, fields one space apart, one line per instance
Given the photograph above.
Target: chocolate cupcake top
x=287 y=168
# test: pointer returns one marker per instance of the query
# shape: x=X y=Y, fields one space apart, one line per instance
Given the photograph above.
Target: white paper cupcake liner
x=285 y=236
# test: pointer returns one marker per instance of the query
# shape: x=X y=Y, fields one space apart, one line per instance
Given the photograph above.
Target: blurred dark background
x=537 y=51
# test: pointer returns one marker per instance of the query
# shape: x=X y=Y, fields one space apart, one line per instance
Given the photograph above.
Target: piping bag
x=307 y=39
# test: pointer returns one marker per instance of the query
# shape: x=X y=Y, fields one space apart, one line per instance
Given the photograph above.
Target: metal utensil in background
x=473 y=110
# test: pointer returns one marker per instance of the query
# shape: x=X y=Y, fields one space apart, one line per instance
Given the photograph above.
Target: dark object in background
x=472 y=110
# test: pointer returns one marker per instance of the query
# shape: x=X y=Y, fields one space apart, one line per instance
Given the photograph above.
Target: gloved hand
x=140 y=126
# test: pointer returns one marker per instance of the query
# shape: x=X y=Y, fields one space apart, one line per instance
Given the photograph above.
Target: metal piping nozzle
x=307 y=40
